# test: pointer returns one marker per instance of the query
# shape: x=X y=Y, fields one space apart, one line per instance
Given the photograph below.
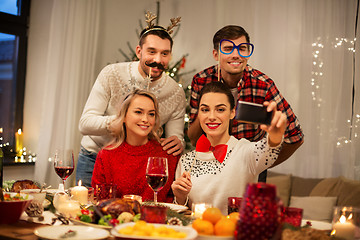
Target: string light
x=316 y=80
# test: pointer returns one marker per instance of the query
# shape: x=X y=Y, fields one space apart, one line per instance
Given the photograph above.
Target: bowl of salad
x=13 y=206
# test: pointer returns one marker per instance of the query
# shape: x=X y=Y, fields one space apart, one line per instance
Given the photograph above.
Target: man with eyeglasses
x=232 y=50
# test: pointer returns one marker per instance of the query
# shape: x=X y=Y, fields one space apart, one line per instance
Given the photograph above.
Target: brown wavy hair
x=117 y=127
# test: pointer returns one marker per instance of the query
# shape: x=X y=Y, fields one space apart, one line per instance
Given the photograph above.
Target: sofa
x=316 y=196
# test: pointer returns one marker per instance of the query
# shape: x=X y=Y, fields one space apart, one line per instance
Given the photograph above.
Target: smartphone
x=253 y=113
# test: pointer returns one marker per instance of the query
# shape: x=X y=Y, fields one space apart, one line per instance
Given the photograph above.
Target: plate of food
x=143 y=230
x=73 y=232
x=108 y=213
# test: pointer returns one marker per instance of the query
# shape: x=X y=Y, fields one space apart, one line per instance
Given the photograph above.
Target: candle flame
x=79 y=183
x=333 y=232
x=19 y=131
x=350 y=216
x=1 y=130
x=342 y=219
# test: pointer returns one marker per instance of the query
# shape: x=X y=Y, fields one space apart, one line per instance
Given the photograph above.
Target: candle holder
x=234 y=204
x=105 y=191
x=293 y=216
x=153 y=214
x=134 y=197
x=346 y=223
x=260 y=213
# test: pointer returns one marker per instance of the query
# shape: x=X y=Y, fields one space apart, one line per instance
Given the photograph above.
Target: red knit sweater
x=126 y=166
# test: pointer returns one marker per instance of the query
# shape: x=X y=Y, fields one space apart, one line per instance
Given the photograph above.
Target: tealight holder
x=134 y=197
x=153 y=214
x=105 y=191
x=346 y=223
x=234 y=204
x=293 y=216
x=199 y=208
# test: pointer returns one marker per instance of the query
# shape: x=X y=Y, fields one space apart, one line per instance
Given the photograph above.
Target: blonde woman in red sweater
x=136 y=132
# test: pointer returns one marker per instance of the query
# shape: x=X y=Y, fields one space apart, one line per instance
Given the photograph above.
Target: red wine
x=156 y=181
x=64 y=172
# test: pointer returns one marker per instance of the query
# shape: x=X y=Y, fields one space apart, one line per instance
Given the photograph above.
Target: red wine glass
x=157 y=174
x=64 y=163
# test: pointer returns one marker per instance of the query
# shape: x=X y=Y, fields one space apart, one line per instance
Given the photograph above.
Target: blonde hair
x=117 y=126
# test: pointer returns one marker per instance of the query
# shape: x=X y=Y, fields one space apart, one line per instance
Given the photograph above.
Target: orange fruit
x=234 y=216
x=212 y=215
x=203 y=227
x=225 y=227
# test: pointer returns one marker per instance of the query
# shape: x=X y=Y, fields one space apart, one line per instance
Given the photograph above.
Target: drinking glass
x=157 y=174
x=64 y=163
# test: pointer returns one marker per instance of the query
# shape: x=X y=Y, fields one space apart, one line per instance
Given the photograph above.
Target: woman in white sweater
x=221 y=165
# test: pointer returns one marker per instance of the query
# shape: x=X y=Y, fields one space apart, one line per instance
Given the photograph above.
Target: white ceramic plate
x=191 y=234
x=175 y=207
x=317 y=224
x=78 y=222
x=82 y=232
x=51 y=191
x=207 y=237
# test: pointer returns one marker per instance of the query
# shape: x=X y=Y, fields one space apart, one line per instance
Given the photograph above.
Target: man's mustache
x=155 y=64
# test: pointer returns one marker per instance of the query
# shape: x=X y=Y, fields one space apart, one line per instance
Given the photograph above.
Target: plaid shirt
x=255 y=87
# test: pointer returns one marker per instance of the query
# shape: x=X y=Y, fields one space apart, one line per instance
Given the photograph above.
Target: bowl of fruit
x=214 y=225
x=13 y=205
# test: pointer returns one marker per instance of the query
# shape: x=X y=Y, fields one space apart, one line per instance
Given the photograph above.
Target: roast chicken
x=116 y=206
x=23 y=184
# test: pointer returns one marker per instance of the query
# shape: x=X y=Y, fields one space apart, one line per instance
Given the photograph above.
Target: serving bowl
x=12 y=210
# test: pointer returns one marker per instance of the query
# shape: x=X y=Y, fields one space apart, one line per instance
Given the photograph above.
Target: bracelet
x=186 y=201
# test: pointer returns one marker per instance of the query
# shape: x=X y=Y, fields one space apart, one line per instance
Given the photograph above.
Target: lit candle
x=80 y=194
x=199 y=208
x=134 y=197
x=69 y=208
x=344 y=229
x=18 y=142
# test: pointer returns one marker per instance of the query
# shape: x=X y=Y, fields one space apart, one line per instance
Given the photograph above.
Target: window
x=13 y=47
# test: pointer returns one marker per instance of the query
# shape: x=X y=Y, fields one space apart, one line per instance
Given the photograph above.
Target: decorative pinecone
x=35 y=209
x=175 y=221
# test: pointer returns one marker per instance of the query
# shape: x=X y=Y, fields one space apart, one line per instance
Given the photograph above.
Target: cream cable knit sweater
x=112 y=85
x=213 y=182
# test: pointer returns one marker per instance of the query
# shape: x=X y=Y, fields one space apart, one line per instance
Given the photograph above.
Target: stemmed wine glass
x=64 y=163
x=157 y=174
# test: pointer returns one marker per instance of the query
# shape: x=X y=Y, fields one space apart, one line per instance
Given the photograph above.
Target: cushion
x=283 y=184
x=302 y=186
x=347 y=191
x=315 y=208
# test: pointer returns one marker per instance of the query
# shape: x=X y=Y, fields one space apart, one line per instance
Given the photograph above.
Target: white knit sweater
x=112 y=85
x=213 y=182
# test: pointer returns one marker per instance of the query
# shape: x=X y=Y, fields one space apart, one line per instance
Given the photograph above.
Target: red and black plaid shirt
x=254 y=87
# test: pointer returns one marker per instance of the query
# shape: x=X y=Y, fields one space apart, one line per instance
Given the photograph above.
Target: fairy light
x=317 y=79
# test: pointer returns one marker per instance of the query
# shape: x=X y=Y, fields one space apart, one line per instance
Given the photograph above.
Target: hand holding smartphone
x=253 y=113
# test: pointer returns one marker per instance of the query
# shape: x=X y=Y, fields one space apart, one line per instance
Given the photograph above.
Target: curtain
x=67 y=79
x=326 y=86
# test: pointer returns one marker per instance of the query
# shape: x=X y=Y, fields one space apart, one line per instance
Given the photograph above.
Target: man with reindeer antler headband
x=117 y=80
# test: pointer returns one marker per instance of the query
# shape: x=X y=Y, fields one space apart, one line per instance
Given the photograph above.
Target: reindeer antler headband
x=149 y=18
